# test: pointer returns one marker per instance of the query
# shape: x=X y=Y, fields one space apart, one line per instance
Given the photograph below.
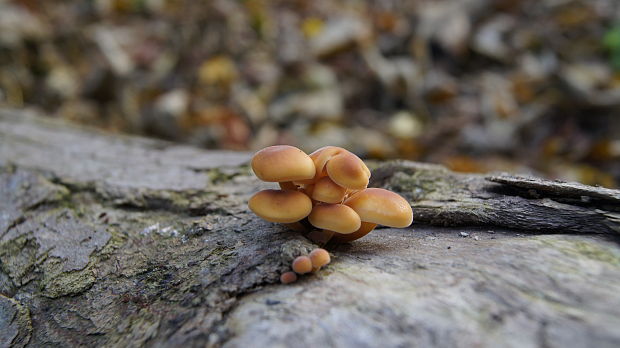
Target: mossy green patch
x=223 y=174
x=17 y=257
x=69 y=283
x=15 y=316
x=588 y=249
x=116 y=240
x=419 y=184
x=598 y=253
x=56 y=283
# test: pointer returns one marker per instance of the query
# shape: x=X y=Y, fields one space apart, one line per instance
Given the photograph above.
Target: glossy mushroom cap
x=321 y=156
x=280 y=206
x=319 y=257
x=381 y=207
x=288 y=277
x=348 y=170
x=302 y=265
x=326 y=190
x=335 y=217
x=281 y=163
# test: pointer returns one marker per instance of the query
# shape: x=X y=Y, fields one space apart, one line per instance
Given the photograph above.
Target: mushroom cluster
x=326 y=190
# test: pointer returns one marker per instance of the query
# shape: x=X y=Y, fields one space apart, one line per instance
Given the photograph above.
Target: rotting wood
x=165 y=253
x=443 y=198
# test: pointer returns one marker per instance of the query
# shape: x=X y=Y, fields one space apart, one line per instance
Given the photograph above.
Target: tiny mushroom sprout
x=302 y=265
x=305 y=264
x=324 y=195
x=319 y=258
x=288 y=277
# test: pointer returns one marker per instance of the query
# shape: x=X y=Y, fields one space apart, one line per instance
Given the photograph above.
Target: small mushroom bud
x=326 y=190
x=280 y=206
x=319 y=257
x=302 y=265
x=288 y=277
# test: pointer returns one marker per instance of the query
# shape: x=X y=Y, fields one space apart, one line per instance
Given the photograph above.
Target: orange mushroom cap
x=302 y=265
x=288 y=277
x=348 y=170
x=282 y=163
x=381 y=207
x=322 y=155
x=326 y=190
x=280 y=206
x=335 y=217
x=319 y=257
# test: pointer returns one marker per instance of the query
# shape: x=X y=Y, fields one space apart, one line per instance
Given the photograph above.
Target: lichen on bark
x=141 y=243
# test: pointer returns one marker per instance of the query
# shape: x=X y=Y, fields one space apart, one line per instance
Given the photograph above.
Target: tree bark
x=108 y=240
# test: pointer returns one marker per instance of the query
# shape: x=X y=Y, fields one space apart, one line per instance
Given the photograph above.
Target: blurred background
x=477 y=85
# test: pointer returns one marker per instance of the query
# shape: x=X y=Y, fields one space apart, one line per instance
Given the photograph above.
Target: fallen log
x=110 y=240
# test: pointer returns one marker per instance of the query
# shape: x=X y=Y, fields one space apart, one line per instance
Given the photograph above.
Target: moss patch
x=585 y=249
x=597 y=253
x=18 y=256
x=56 y=283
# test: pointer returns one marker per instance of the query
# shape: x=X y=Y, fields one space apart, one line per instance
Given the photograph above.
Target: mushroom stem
x=288 y=186
x=308 y=190
x=321 y=237
x=365 y=228
x=297 y=226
